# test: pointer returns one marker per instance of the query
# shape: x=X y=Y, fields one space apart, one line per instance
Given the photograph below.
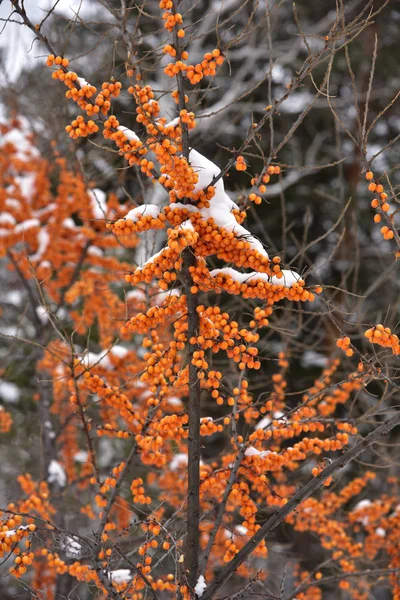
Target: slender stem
x=189 y=260
x=221 y=510
x=193 y=502
x=139 y=573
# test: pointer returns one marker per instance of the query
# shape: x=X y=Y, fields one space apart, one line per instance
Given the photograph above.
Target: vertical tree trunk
x=193 y=502
x=189 y=260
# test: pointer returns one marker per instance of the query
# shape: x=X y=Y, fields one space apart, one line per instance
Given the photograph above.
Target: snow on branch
x=221 y=206
x=130 y=135
x=145 y=209
x=288 y=279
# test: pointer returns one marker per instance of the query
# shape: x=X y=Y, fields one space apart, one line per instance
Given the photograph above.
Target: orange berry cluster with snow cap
x=136 y=222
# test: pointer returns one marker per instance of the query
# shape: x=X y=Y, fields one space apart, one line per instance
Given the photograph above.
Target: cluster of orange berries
x=171 y=427
x=130 y=149
x=384 y=337
x=5 y=420
x=158 y=268
x=258 y=288
x=208 y=426
x=381 y=205
x=142 y=222
x=22 y=561
x=207 y=67
x=180 y=238
x=318 y=469
x=344 y=344
x=138 y=494
x=111 y=482
x=57 y=60
x=198 y=360
x=213 y=378
x=173 y=305
x=260 y=317
x=172 y=20
x=147 y=108
x=194 y=73
x=108 y=430
x=79 y=128
x=241 y=398
x=230 y=550
x=325 y=402
x=169 y=49
x=218 y=333
x=240 y=496
x=202 y=198
x=12 y=532
x=328 y=403
x=188 y=118
x=101 y=102
x=215 y=240
x=175 y=170
x=272 y=170
x=110 y=395
x=79 y=95
x=240 y=164
x=172 y=69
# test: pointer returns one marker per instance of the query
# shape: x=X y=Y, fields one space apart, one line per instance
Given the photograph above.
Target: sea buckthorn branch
x=343 y=576
x=305 y=492
x=121 y=479
x=382 y=207
x=85 y=427
x=221 y=510
x=139 y=572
